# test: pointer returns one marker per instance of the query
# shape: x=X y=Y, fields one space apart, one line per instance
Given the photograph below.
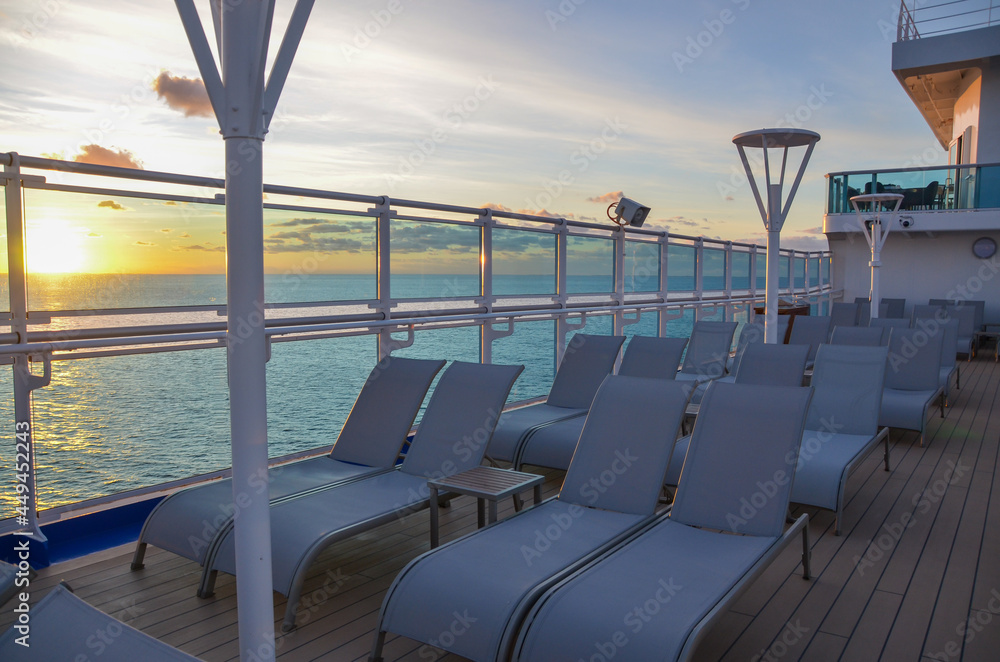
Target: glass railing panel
x=523 y=262
x=988 y=188
x=741 y=270
x=532 y=345
x=784 y=271
x=814 y=272
x=648 y=325
x=4 y=291
x=590 y=265
x=434 y=260
x=825 y=266
x=930 y=189
x=713 y=273
x=761 y=272
x=642 y=266
x=800 y=272
x=837 y=194
x=110 y=424
x=87 y=251
x=680 y=268
x=318 y=257
x=921 y=189
x=458 y=344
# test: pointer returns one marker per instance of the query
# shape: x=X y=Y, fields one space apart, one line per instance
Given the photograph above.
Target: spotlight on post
x=629 y=212
x=876 y=231
x=774 y=212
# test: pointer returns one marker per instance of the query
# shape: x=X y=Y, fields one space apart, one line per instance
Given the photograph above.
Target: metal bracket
x=570 y=326
x=629 y=321
x=34 y=382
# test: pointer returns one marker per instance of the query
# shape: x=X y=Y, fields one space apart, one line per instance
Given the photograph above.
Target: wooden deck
x=916 y=575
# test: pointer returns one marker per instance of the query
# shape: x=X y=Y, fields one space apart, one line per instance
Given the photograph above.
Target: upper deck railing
x=934 y=188
x=350 y=279
x=922 y=19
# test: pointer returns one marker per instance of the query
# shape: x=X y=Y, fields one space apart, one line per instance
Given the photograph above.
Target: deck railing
x=121 y=390
x=921 y=19
x=933 y=188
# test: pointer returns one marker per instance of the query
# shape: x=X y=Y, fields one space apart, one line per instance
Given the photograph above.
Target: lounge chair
x=762 y=365
x=966 y=316
x=979 y=306
x=844 y=314
x=895 y=308
x=810 y=330
x=586 y=362
x=64 y=627
x=912 y=380
x=842 y=424
x=860 y=336
x=707 y=351
x=656 y=596
x=553 y=445
x=610 y=491
x=935 y=319
x=864 y=310
x=890 y=322
x=189 y=522
x=450 y=439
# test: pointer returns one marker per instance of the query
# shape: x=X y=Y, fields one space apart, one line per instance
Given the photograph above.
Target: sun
x=54 y=247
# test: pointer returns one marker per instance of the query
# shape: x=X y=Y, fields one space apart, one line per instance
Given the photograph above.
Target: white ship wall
x=918 y=267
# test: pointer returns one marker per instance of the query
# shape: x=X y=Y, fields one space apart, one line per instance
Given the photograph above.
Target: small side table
x=487 y=484
x=995 y=335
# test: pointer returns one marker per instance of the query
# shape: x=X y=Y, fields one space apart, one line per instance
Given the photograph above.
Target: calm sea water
x=111 y=424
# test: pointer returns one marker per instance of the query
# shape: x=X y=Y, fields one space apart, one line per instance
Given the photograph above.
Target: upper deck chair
x=966 y=316
x=762 y=365
x=812 y=330
x=610 y=491
x=842 y=424
x=64 y=627
x=896 y=308
x=707 y=351
x=890 y=322
x=844 y=314
x=190 y=521
x=451 y=438
x=912 y=381
x=860 y=336
x=553 y=445
x=687 y=569
x=587 y=361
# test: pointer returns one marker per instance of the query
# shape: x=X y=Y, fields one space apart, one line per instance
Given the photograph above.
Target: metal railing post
x=562 y=328
x=699 y=275
x=619 y=278
x=486 y=286
x=383 y=273
x=664 y=283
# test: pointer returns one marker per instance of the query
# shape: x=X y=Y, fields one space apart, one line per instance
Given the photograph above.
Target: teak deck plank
x=933 y=591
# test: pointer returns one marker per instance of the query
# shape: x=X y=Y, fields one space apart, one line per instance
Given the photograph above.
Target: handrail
x=909 y=19
x=868 y=171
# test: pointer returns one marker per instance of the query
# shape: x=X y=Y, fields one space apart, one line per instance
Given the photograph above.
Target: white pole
x=771 y=287
x=876 y=235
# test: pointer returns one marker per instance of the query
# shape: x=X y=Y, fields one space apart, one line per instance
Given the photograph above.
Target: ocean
x=111 y=424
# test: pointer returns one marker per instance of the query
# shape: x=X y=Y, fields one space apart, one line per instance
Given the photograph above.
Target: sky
x=552 y=106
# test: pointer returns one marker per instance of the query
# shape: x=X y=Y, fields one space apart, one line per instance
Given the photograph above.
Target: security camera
x=906 y=221
x=630 y=212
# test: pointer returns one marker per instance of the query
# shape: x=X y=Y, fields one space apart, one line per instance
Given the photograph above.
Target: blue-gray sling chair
x=450 y=439
x=978 y=307
x=842 y=424
x=890 y=322
x=894 y=308
x=553 y=445
x=656 y=596
x=65 y=628
x=610 y=492
x=845 y=314
x=586 y=362
x=860 y=336
x=810 y=330
x=190 y=522
x=966 y=316
x=912 y=380
x=762 y=365
x=707 y=355
x=935 y=319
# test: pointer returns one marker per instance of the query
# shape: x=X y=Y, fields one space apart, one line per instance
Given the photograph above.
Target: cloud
x=816 y=230
x=185 y=236
x=111 y=204
x=187 y=95
x=312 y=235
x=166 y=230
x=170 y=203
x=199 y=247
x=495 y=206
x=121 y=158
x=94 y=234
x=144 y=243
x=608 y=198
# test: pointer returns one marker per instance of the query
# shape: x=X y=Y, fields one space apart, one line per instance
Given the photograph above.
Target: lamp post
x=774 y=212
x=876 y=232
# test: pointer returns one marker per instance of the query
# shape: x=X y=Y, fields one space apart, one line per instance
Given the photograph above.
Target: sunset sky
x=472 y=103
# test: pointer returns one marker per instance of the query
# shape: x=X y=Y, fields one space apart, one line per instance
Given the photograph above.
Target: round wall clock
x=984 y=248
